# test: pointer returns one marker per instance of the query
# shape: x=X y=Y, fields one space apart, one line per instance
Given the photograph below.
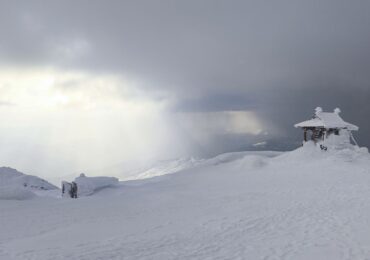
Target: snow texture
x=15 y=193
x=19 y=186
x=304 y=204
x=327 y=120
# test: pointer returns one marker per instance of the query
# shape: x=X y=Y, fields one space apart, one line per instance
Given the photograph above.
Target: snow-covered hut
x=327 y=128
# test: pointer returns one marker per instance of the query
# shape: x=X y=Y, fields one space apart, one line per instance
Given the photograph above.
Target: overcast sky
x=89 y=84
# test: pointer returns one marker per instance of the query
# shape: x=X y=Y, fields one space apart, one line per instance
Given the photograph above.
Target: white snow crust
x=304 y=204
x=327 y=120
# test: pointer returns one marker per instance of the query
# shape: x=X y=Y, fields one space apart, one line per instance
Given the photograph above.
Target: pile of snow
x=312 y=154
x=19 y=186
x=89 y=185
x=235 y=156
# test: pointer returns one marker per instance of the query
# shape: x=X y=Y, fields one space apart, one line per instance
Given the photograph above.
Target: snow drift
x=166 y=167
x=15 y=193
x=19 y=186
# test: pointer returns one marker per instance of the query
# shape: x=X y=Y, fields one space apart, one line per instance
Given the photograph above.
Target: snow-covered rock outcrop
x=19 y=186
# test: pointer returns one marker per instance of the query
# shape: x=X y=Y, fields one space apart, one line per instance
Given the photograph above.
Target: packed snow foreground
x=304 y=204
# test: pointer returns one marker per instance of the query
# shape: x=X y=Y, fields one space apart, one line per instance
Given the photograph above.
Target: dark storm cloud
x=278 y=58
x=214 y=102
x=292 y=107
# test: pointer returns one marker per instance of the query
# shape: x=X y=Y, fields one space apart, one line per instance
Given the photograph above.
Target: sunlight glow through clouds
x=223 y=122
x=92 y=121
x=50 y=88
x=79 y=117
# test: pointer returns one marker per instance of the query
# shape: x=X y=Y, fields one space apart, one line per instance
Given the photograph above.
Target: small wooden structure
x=323 y=125
x=69 y=189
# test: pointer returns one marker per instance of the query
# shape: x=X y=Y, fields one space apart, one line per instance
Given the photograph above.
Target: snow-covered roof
x=327 y=120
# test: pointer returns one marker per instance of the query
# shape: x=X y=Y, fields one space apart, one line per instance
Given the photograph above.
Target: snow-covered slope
x=16 y=185
x=165 y=167
x=305 y=204
x=160 y=168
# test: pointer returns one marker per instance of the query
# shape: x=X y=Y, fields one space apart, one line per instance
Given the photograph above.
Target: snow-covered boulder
x=19 y=186
x=89 y=185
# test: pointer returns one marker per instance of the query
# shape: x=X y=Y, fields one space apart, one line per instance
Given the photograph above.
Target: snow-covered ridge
x=162 y=168
x=17 y=185
x=166 y=167
x=10 y=176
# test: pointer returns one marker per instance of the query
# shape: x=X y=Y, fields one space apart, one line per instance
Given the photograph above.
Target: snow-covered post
x=66 y=189
x=305 y=134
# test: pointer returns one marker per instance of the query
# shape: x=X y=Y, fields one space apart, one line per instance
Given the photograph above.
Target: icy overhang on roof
x=327 y=120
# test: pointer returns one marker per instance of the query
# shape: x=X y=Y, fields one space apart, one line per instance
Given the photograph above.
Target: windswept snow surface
x=305 y=204
x=161 y=168
x=19 y=186
x=180 y=164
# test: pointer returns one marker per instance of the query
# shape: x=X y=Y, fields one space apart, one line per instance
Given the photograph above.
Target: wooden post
x=305 y=134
